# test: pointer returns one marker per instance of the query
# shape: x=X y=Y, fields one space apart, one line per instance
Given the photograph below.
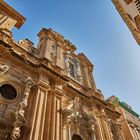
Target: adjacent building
x=129 y=120
x=129 y=10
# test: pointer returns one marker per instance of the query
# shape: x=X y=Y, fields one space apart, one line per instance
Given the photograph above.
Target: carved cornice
x=12 y=13
x=6 y=36
x=83 y=58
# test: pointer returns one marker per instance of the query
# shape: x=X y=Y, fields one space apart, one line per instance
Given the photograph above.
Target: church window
x=71 y=69
x=8 y=92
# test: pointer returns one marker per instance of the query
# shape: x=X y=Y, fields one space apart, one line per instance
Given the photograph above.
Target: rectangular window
x=71 y=69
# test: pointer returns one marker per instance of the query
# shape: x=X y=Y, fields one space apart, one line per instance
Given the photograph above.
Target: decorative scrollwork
x=3 y=69
x=20 y=121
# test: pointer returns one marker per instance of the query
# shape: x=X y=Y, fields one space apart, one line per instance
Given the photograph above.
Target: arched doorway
x=76 y=137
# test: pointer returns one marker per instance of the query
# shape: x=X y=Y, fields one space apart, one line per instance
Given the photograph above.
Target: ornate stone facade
x=129 y=10
x=48 y=92
x=129 y=120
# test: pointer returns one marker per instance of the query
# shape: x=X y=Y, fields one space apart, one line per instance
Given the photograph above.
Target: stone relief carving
x=27 y=45
x=78 y=116
x=20 y=121
x=74 y=106
x=3 y=69
x=15 y=133
x=66 y=63
x=115 y=129
x=28 y=84
x=78 y=71
x=89 y=113
x=5 y=36
x=53 y=52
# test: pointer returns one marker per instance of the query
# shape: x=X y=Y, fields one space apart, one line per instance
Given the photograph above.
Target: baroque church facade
x=48 y=92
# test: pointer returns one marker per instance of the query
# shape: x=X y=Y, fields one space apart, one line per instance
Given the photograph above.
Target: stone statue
x=53 y=52
x=66 y=63
x=74 y=106
x=78 y=71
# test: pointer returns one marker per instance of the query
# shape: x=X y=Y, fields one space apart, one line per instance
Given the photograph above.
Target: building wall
x=129 y=10
x=52 y=103
x=48 y=92
x=129 y=120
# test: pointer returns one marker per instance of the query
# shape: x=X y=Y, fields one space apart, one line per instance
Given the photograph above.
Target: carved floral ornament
x=16 y=116
x=75 y=111
x=6 y=36
x=76 y=116
x=20 y=120
x=115 y=129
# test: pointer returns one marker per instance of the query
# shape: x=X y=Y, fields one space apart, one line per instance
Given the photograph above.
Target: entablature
x=10 y=12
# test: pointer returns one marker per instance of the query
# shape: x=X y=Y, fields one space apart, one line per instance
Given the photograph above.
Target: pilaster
x=38 y=122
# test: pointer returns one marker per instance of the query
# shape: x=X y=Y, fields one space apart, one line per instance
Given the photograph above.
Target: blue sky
x=97 y=30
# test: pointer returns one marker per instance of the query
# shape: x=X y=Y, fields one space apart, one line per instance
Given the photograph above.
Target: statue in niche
x=66 y=63
x=78 y=71
x=53 y=52
x=74 y=106
x=3 y=69
x=115 y=129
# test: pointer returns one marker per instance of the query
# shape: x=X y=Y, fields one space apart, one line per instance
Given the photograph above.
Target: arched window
x=76 y=137
x=8 y=92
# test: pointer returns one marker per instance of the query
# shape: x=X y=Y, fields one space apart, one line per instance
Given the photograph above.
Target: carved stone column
x=65 y=132
x=56 y=118
x=53 y=128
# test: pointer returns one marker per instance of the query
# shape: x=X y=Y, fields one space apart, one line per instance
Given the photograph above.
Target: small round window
x=8 y=92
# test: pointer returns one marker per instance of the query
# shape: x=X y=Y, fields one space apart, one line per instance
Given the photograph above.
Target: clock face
x=8 y=92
